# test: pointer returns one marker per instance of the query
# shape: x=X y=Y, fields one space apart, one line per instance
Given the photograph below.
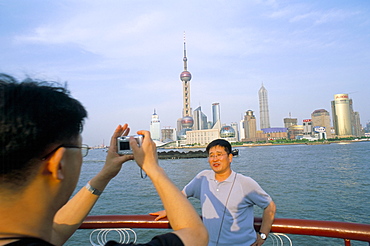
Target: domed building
x=182 y=134
x=227 y=132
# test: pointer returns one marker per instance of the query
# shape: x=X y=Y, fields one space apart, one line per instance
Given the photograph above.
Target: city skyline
x=121 y=66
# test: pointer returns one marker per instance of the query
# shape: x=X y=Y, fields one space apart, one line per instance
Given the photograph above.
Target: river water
x=319 y=182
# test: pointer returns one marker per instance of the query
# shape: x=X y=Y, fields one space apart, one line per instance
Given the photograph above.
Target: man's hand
x=145 y=155
x=160 y=215
x=259 y=241
x=114 y=161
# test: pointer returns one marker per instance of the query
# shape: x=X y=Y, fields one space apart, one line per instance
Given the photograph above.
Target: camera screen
x=124 y=145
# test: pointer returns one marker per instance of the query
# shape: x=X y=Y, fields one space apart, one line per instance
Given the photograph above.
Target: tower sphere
x=187 y=122
x=227 y=132
x=185 y=76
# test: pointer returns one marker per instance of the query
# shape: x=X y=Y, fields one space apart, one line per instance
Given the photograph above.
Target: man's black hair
x=220 y=142
x=33 y=116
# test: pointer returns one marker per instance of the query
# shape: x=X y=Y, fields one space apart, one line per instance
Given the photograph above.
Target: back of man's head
x=219 y=142
x=33 y=116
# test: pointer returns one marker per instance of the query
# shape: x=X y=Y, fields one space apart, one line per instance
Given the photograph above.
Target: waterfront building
x=357 y=127
x=178 y=125
x=319 y=132
x=307 y=127
x=342 y=115
x=273 y=133
x=217 y=125
x=295 y=132
x=357 y=130
x=250 y=126
x=241 y=130
x=321 y=118
x=181 y=136
x=234 y=125
x=155 y=127
x=216 y=113
x=290 y=122
x=264 y=108
x=200 y=119
x=168 y=134
x=332 y=130
x=228 y=133
x=202 y=137
x=367 y=127
x=186 y=125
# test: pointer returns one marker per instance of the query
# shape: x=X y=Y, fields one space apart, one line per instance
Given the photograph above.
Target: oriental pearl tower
x=187 y=119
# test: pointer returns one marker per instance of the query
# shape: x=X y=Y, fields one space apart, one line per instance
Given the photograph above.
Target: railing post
x=347 y=242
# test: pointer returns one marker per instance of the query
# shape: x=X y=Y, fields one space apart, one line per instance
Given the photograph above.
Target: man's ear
x=55 y=165
x=230 y=157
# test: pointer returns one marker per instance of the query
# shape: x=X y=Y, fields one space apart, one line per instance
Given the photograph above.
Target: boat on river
x=174 y=154
x=317 y=143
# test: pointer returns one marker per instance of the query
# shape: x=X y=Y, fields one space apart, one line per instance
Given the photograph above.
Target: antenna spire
x=185 y=59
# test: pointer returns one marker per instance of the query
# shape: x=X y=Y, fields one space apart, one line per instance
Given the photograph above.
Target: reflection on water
x=319 y=182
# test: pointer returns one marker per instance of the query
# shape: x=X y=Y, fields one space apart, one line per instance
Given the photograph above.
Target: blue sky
x=122 y=59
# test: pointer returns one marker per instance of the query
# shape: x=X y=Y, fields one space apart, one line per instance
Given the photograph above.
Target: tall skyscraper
x=250 y=127
x=264 y=108
x=341 y=110
x=155 y=127
x=200 y=119
x=216 y=113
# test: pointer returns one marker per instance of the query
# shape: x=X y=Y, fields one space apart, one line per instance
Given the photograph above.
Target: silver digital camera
x=123 y=144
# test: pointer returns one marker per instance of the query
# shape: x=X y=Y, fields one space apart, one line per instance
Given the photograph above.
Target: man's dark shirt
x=168 y=239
